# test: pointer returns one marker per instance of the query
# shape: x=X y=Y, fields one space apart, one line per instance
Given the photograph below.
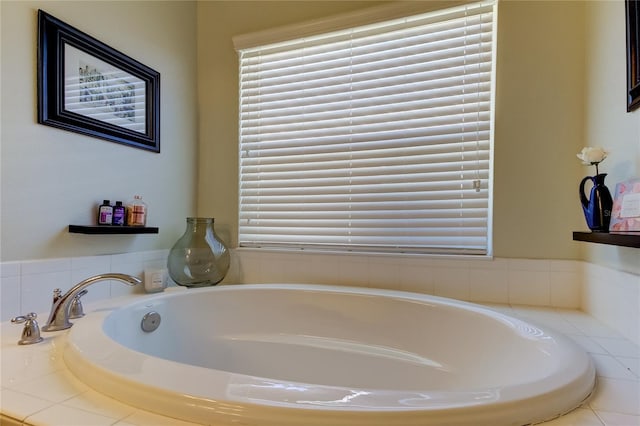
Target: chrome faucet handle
x=31 y=331
x=76 y=310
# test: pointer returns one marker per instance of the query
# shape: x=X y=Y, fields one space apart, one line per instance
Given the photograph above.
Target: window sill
x=336 y=252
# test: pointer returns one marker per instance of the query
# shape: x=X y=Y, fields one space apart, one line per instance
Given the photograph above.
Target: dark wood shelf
x=111 y=230
x=624 y=239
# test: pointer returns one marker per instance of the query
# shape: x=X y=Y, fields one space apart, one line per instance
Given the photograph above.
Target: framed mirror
x=87 y=87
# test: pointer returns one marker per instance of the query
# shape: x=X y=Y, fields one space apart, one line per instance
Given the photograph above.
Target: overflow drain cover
x=150 y=321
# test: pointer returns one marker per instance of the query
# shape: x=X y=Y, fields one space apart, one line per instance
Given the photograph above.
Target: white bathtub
x=321 y=355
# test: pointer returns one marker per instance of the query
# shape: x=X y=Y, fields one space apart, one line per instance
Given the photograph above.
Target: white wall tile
x=10 y=305
x=234 y=273
x=323 y=269
x=486 y=263
x=566 y=265
x=102 y=263
x=295 y=268
x=126 y=263
x=438 y=262
x=273 y=268
x=565 y=288
x=248 y=267
x=268 y=267
x=489 y=285
x=292 y=270
x=45 y=266
x=482 y=280
x=86 y=267
x=37 y=290
x=529 y=287
x=613 y=297
x=529 y=264
x=384 y=273
x=118 y=260
x=154 y=255
x=628 y=319
x=155 y=259
x=10 y=269
x=354 y=270
x=451 y=282
x=417 y=277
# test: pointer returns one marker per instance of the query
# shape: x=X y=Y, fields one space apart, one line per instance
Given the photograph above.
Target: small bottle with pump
x=105 y=213
x=136 y=212
x=119 y=214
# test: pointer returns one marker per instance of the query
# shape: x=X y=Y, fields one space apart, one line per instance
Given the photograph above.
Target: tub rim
x=578 y=379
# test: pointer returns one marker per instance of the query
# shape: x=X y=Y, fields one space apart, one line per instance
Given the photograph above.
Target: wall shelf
x=625 y=239
x=111 y=230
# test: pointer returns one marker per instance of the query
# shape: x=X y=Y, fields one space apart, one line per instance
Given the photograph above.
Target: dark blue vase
x=597 y=208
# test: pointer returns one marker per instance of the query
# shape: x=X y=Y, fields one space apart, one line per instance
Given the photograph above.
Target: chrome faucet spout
x=59 y=316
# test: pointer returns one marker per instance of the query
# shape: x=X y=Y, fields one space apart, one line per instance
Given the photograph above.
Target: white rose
x=590 y=155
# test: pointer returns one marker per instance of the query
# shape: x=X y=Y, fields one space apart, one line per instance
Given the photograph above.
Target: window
x=373 y=138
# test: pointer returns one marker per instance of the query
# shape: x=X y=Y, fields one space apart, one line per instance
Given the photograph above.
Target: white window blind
x=375 y=138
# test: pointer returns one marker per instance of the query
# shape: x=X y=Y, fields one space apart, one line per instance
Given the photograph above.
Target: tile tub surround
x=609 y=295
x=38 y=389
x=556 y=283
x=28 y=286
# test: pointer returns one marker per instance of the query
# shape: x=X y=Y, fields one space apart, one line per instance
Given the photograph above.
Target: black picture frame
x=633 y=60
x=87 y=87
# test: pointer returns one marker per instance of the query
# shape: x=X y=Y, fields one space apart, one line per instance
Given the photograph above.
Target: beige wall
x=539 y=109
x=544 y=115
x=51 y=178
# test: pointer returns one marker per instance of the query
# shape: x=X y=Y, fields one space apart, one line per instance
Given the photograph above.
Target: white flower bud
x=590 y=155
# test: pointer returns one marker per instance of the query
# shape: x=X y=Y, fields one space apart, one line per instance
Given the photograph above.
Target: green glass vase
x=199 y=258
